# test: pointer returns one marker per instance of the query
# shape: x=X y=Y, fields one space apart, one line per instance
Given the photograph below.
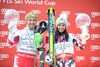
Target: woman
x=64 y=44
x=26 y=48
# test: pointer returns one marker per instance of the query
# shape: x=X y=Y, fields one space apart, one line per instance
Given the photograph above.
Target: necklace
x=62 y=46
x=30 y=40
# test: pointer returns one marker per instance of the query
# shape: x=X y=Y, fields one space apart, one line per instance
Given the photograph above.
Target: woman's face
x=61 y=28
x=31 y=23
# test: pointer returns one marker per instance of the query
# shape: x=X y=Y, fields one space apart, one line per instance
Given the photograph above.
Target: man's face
x=61 y=27
x=31 y=23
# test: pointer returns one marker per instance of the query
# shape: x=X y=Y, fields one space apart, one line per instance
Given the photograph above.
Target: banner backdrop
x=90 y=57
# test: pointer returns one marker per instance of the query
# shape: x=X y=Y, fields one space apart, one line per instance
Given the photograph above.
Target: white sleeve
x=11 y=36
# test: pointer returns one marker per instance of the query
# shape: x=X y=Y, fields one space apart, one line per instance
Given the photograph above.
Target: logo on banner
x=2 y=22
x=66 y=12
x=94 y=14
x=4 y=33
x=21 y=22
x=36 y=11
x=95 y=47
x=79 y=58
x=3 y=10
x=95 y=58
x=2 y=45
x=95 y=36
x=4 y=56
x=95 y=25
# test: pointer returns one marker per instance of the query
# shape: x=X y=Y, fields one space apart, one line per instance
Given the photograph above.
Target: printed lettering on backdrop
x=88 y=31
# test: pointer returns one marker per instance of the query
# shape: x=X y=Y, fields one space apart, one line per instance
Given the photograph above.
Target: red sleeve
x=16 y=39
x=10 y=42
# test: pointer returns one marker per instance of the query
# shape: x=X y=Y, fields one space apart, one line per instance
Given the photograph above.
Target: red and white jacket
x=25 y=42
x=67 y=47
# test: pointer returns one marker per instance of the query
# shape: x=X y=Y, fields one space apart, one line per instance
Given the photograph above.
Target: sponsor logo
x=95 y=58
x=94 y=14
x=21 y=22
x=95 y=47
x=95 y=36
x=4 y=33
x=79 y=36
x=3 y=10
x=66 y=12
x=36 y=11
x=79 y=58
x=50 y=25
x=2 y=22
x=95 y=25
x=2 y=45
x=77 y=14
x=4 y=56
x=22 y=12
